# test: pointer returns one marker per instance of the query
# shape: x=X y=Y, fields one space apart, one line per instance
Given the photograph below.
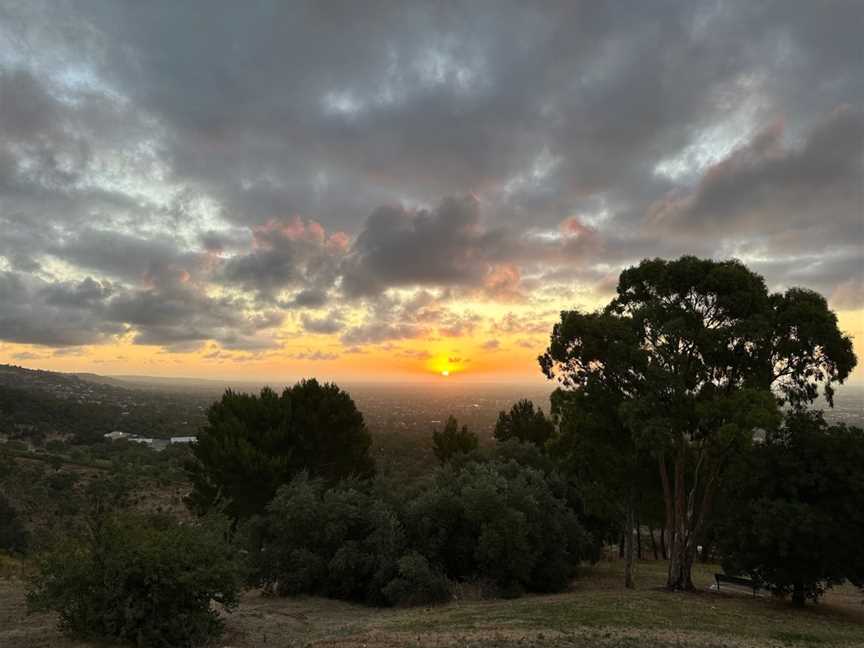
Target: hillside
x=597 y=612
x=39 y=405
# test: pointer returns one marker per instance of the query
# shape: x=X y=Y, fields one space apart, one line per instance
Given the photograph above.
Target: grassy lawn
x=596 y=612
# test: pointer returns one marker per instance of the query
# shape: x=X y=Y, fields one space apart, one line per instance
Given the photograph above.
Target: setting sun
x=446 y=365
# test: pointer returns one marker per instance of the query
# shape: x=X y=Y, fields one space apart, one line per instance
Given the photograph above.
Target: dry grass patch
x=597 y=612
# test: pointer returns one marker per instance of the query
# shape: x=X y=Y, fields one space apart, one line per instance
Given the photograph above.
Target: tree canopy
x=252 y=444
x=452 y=441
x=525 y=423
x=596 y=449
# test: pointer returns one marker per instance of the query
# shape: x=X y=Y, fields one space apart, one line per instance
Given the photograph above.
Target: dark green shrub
x=562 y=486
x=144 y=580
x=499 y=521
x=339 y=542
x=798 y=523
x=417 y=583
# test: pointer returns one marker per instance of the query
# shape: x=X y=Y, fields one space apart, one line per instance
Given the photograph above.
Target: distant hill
x=35 y=404
x=102 y=380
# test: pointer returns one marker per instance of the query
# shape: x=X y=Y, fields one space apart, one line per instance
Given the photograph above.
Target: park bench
x=736 y=580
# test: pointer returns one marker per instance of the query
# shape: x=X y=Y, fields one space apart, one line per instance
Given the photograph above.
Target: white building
x=184 y=439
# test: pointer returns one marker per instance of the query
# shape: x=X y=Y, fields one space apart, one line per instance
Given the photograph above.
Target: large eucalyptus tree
x=694 y=355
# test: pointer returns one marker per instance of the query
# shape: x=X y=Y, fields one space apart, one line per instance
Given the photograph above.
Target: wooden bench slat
x=736 y=580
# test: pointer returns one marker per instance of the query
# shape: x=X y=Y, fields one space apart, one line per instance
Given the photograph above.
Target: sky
x=406 y=191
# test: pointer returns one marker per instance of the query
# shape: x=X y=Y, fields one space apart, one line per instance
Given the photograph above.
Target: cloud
x=288 y=253
x=332 y=323
x=399 y=247
x=36 y=312
x=316 y=356
x=172 y=177
x=524 y=323
x=766 y=187
x=172 y=312
x=376 y=333
x=848 y=294
x=309 y=298
x=26 y=355
x=180 y=315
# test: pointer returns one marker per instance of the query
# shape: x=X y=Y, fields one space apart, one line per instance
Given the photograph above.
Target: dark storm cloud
x=88 y=293
x=172 y=313
x=444 y=246
x=177 y=313
x=117 y=254
x=35 y=312
x=287 y=253
x=142 y=142
x=309 y=298
x=766 y=186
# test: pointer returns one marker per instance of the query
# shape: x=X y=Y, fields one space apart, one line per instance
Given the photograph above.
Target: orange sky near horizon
x=465 y=359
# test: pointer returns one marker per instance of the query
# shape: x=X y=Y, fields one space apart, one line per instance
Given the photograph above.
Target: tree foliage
x=597 y=449
x=452 y=441
x=143 y=580
x=498 y=521
x=692 y=349
x=798 y=523
x=252 y=444
x=525 y=423
x=338 y=542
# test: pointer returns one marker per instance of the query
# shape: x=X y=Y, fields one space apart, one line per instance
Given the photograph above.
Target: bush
x=338 y=542
x=531 y=455
x=417 y=583
x=499 y=521
x=798 y=525
x=144 y=580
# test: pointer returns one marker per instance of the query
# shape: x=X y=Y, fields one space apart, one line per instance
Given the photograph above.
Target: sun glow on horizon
x=446 y=366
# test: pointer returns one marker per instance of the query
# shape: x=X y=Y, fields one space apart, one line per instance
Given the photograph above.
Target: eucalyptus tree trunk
x=679 y=576
x=629 y=527
x=663 y=552
x=689 y=512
